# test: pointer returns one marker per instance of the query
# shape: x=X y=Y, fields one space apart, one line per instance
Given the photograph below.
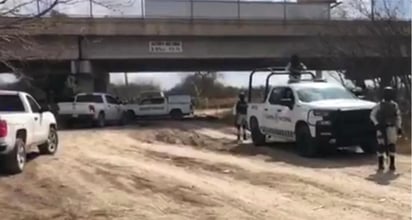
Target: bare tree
x=19 y=18
x=383 y=58
x=379 y=50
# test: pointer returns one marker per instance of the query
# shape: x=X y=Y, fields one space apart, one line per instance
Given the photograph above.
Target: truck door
x=285 y=114
x=40 y=127
x=271 y=123
x=152 y=106
x=114 y=109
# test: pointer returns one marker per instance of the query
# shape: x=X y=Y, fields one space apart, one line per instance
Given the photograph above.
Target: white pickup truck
x=176 y=106
x=97 y=108
x=317 y=115
x=23 y=124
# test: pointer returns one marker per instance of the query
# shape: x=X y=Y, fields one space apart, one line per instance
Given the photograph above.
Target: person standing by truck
x=240 y=116
x=387 y=119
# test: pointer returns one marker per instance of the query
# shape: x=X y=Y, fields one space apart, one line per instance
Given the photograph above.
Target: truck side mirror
x=44 y=108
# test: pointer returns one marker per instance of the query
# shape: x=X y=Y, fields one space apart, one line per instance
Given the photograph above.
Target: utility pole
x=126 y=80
x=126 y=83
x=373 y=10
x=91 y=8
x=38 y=6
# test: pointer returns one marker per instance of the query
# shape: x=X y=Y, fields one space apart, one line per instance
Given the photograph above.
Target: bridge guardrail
x=193 y=9
x=196 y=9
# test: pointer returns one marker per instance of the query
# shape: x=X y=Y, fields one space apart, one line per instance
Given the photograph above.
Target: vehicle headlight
x=321 y=113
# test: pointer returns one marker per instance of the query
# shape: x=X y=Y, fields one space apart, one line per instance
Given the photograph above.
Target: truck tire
x=101 y=120
x=50 y=147
x=258 y=138
x=15 y=161
x=131 y=116
x=305 y=144
x=176 y=114
x=123 y=119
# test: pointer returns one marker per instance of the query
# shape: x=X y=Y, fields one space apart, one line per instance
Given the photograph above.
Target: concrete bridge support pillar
x=89 y=77
x=84 y=83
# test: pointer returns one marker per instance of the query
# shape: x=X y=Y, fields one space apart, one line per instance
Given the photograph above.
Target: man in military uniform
x=387 y=119
x=295 y=66
x=240 y=116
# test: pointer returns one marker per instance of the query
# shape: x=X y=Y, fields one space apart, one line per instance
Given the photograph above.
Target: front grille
x=352 y=123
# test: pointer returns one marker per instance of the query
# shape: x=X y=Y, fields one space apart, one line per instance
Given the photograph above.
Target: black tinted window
x=90 y=98
x=33 y=105
x=111 y=100
x=152 y=101
x=276 y=95
x=11 y=103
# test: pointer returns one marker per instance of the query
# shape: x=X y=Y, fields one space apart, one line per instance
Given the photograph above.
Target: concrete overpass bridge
x=102 y=45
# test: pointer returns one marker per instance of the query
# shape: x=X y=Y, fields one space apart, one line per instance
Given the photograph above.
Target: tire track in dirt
x=288 y=184
x=324 y=189
x=34 y=196
x=191 y=171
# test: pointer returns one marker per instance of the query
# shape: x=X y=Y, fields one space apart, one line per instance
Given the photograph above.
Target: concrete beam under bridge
x=176 y=65
x=178 y=27
x=61 y=48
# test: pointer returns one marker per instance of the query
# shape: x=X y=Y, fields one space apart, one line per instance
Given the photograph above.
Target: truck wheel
x=370 y=147
x=306 y=145
x=258 y=138
x=50 y=147
x=130 y=115
x=123 y=119
x=15 y=161
x=101 y=120
x=176 y=114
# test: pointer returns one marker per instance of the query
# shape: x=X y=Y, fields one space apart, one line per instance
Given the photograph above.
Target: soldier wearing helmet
x=295 y=66
x=240 y=116
x=387 y=119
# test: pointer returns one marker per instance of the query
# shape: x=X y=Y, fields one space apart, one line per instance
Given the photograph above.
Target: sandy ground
x=195 y=170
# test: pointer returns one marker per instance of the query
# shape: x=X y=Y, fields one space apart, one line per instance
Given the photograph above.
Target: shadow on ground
x=286 y=153
x=30 y=157
x=383 y=178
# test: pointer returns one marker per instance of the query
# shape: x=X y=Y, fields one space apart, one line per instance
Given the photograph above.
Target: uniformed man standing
x=240 y=116
x=387 y=119
x=295 y=66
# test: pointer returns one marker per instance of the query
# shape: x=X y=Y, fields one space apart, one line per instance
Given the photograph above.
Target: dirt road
x=195 y=170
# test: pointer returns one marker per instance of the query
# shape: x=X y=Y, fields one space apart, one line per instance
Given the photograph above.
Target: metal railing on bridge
x=188 y=9
x=200 y=9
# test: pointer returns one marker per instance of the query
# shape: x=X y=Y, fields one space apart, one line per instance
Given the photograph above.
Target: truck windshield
x=11 y=103
x=318 y=94
x=90 y=98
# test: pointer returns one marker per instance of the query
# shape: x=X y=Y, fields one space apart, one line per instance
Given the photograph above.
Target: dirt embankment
x=196 y=170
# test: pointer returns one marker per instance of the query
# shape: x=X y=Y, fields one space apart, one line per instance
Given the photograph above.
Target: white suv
x=317 y=115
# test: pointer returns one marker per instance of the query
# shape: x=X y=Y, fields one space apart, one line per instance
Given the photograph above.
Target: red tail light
x=3 y=129
x=92 y=109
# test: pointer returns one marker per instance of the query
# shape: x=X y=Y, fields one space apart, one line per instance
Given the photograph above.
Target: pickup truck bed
x=97 y=108
x=23 y=124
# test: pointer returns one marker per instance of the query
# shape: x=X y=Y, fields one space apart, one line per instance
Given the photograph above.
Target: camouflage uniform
x=387 y=119
x=294 y=67
x=241 y=116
